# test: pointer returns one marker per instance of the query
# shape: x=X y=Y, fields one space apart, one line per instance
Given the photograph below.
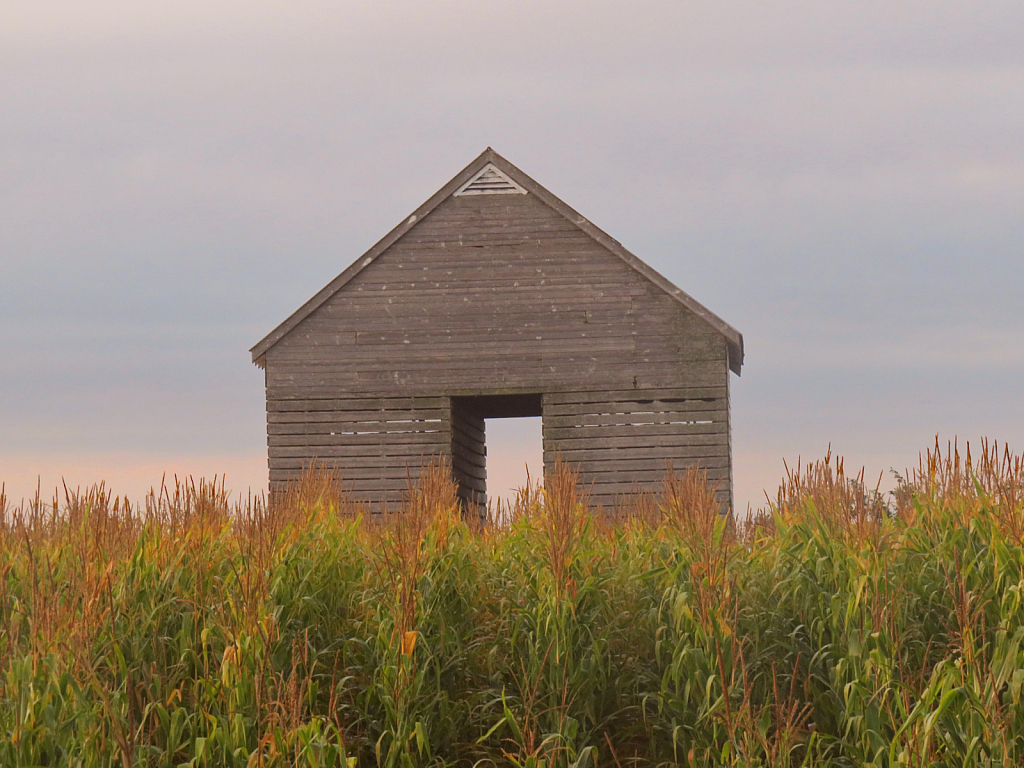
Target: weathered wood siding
x=495 y=294
x=469 y=459
x=625 y=440
x=492 y=292
x=377 y=444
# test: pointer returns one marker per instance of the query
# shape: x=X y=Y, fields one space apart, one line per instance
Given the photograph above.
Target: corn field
x=838 y=626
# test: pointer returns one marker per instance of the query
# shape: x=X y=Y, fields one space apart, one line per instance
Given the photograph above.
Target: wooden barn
x=496 y=299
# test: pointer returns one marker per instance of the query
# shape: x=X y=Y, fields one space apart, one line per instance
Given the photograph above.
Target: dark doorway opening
x=469 y=445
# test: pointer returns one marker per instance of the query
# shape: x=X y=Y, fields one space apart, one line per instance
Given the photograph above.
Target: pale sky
x=842 y=181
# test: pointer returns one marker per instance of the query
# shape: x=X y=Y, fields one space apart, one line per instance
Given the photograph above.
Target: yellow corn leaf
x=409 y=642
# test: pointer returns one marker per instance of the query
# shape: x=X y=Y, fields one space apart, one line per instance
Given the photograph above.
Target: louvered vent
x=490 y=181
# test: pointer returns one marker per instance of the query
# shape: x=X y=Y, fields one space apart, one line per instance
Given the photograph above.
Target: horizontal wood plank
x=638 y=432
x=332 y=416
x=649 y=442
x=399 y=451
x=640 y=418
x=638 y=456
x=370 y=401
x=572 y=398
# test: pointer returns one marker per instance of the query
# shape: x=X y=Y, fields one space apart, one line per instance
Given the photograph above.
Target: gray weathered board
x=496 y=288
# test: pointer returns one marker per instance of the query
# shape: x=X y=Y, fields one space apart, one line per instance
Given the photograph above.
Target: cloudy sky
x=841 y=181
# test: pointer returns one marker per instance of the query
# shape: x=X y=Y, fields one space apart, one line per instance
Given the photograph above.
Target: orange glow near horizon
x=124 y=474
x=133 y=476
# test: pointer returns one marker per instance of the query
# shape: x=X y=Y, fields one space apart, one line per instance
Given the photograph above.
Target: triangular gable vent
x=490 y=181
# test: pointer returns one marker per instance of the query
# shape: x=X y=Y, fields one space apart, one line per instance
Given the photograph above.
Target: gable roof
x=733 y=337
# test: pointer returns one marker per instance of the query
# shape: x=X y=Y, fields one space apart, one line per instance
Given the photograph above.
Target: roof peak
x=489 y=180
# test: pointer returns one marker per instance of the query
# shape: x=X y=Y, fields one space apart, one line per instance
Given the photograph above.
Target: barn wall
x=493 y=293
x=377 y=444
x=625 y=440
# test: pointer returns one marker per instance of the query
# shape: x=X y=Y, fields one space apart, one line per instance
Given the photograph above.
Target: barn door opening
x=514 y=434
